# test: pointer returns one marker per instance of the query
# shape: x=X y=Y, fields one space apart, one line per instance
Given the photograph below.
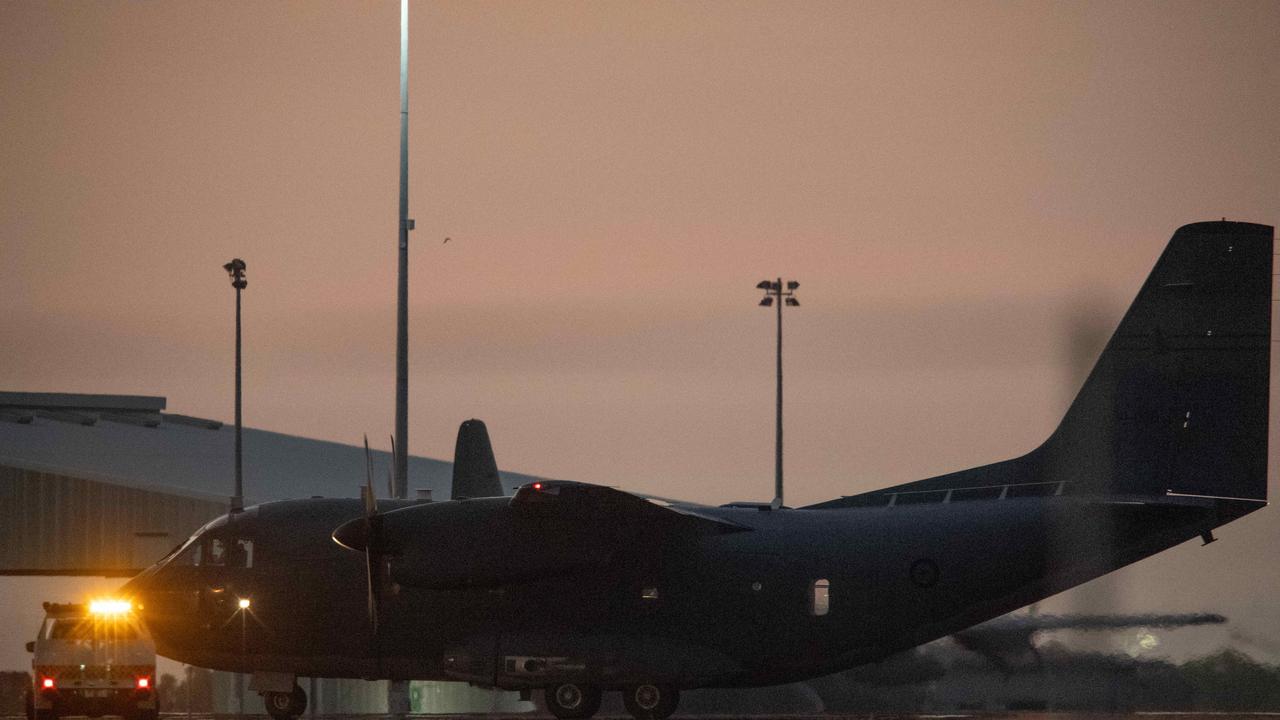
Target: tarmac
x=740 y=716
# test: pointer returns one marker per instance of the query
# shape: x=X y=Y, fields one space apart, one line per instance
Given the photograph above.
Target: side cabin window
x=819 y=597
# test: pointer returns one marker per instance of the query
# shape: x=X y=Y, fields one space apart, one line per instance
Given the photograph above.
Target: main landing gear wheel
x=285 y=705
x=571 y=701
x=650 y=702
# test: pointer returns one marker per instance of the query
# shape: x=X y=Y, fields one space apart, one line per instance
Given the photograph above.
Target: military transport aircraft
x=578 y=589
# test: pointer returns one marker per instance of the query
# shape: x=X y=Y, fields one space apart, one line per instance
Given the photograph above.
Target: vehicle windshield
x=89 y=632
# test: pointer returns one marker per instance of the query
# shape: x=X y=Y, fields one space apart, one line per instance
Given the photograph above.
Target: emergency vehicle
x=92 y=659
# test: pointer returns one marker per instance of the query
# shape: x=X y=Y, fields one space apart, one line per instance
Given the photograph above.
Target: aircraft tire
x=572 y=701
x=650 y=702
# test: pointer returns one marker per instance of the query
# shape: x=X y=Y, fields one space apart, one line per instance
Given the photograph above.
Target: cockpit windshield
x=215 y=545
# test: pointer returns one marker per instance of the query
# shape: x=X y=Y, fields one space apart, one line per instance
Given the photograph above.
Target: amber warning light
x=110 y=607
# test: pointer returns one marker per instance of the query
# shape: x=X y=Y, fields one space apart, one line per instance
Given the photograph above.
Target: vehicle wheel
x=285 y=706
x=38 y=714
x=570 y=701
x=650 y=702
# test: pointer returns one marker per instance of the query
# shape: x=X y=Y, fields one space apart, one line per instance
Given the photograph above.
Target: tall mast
x=401 y=458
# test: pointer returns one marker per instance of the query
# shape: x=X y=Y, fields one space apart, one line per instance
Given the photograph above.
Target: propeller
x=372 y=545
x=391 y=469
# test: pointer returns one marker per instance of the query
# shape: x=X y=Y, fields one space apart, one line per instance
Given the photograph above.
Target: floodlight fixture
x=792 y=284
x=763 y=285
x=766 y=302
x=235 y=269
x=792 y=302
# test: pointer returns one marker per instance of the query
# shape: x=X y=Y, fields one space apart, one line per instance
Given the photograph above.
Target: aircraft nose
x=138 y=586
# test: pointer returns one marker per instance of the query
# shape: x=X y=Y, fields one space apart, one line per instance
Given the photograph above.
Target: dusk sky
x=953 y=184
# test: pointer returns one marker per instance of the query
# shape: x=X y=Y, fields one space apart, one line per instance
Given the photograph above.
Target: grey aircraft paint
x=576 y=588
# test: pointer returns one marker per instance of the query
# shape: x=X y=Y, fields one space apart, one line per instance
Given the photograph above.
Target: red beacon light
x=537 y=486
x=144 y=683
x=47 y=683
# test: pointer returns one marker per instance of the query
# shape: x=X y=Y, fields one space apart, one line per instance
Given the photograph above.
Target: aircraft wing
x=577 y=498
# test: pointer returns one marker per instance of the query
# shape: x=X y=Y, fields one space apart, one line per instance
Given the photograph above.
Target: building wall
x=52 y=524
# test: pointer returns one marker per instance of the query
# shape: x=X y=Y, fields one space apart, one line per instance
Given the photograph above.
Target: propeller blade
x=370 y=499
x=372 y=574
x=391 y=470
x=372 y=545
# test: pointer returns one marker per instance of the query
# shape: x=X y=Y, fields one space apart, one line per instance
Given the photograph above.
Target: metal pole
x=398 y=690
x=237 y=502
x=777 y=489
x=401 y=460
x=235 y=269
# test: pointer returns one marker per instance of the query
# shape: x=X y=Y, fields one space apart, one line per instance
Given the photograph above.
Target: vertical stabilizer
x=1178 y=401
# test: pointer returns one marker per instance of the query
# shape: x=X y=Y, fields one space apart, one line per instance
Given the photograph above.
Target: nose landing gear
x=285 y=705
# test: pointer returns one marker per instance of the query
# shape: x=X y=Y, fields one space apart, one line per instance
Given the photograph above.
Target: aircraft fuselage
x=738 y=608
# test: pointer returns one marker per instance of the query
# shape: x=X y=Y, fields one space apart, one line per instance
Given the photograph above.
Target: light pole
x=773 y=290
x=400 y=461
x=235 y=269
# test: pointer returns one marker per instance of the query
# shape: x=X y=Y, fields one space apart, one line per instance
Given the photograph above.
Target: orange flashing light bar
x=109 y=606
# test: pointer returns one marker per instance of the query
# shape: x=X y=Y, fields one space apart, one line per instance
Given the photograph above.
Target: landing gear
x=650 y=702
x=572 y=701
x=285 y=705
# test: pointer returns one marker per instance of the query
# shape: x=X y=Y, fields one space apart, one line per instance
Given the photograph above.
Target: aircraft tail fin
x=475 y=472
x=1178 y=402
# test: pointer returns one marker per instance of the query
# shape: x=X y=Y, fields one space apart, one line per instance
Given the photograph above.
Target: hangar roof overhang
x=129 y=440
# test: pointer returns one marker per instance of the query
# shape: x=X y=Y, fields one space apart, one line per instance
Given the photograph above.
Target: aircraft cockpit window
x=820 y=597
x=223 y=552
